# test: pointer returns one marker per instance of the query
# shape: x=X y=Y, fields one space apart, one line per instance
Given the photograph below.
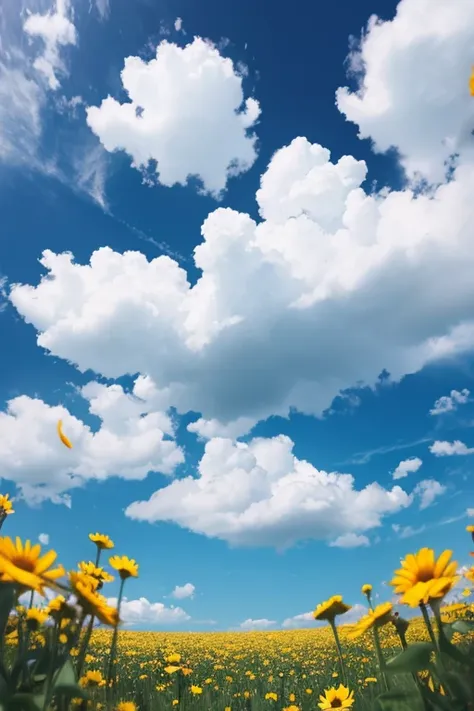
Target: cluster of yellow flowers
x=423 y=581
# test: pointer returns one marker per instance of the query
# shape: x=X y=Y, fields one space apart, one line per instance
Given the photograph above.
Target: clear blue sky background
x=295 y=56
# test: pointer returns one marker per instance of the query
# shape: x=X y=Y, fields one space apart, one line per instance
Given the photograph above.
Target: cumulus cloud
x=306 y=619
x=413 y=84
x=449 y=449
x=186 y=111
x=132 y=440
x=449 y=403
x=43 y=538
x=407 y=466
x=142 y=611
x=350 y=540
x=178 y=24
x=262 y=624
x=261 y=494
x=286 y=313
x=182 y=591
x=428 y=490
x=55 y=30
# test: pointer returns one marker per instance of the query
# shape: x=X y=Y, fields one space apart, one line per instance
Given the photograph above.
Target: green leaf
x=7 y=599
x=399 y=700
x=450 y=649
x=463 y=626
x=66 y=676
x=414 y=658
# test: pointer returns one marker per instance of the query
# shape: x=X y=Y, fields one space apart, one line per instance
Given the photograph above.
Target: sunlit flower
x=23 y=564
x=126 y=706
x=92 y=678
x=271 y=696
x=84 y=587
x=6 y=506
x=340 y=698
x=366 y=589
x=101 y=540
x=196 y=689
x=330 y=609
x=374 y=618
x=90 y=568
x=35 y=617
x=125 y=567
x=423 y=577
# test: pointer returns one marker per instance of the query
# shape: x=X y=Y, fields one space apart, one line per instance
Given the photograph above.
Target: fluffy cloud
x=449 y=449
x=43 y=538
x=186 y=111
x=182 y=591
x=350 y=540
x=449 y=403
x=285 y=314
x=55 y=30
x=142 y=611
x=428 y=490
x=132 y=440
x=407 y=466
x=262 y=624
x=260 y=494
x=413 y=91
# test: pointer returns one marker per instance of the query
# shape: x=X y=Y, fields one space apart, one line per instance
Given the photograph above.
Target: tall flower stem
x=113 y=646
x=339 y=650
x=97 y=558
x=380 y=659
x=84 y=646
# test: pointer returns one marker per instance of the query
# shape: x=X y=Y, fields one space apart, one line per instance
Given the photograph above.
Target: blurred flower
x=378 y=617
x=423 y=577
x=101 y=540
x=23 y=564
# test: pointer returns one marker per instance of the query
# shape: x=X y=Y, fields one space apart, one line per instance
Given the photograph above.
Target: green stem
x=380 y=659
x=339 y=650
x=113 y=646
x=429 y=626
x=97 y=558
x=52 y=664
x=84 y=646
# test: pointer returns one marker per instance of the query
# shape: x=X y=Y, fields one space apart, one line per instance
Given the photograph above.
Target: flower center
x=24 y=563
x=336 y=704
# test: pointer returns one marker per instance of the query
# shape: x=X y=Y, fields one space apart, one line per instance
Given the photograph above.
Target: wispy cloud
x=365 y=457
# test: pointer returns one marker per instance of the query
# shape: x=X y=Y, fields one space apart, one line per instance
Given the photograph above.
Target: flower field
x=71 y=651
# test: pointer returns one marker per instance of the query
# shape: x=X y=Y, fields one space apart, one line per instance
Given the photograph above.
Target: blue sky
x=283 y=413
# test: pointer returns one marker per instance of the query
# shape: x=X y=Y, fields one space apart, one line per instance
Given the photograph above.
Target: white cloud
x=132 y=440
x=257 y=335
x=350 y=540
x=262 y=624
x=43 y=538
x=260 y=494
x=449 y=403
x=55 y=30
x=103 y=8
x=470 y=512
x=449 y=449
x=207 y=429
x=407 y=466
x=182 y=591
x=186 y=112
x=302 y=621
x=428 y=490
x=414 y=84
x=407 y=531
x=178 y=24
x=142 y=611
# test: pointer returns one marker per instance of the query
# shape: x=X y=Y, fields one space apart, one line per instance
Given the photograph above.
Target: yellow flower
x=366 y=589
x=91 y=569
x=84 y=588
x=196 y=689
x=330 y=609
x=6 y=507
x=271 y=696
x=101 y=540
x=126 y=567
x=172 y=658
x=309 y=691
x=291 y=708
x=374 y=618
x=422 y=577
x=175 y=702
x=23 y=564
x=126 y=706
x=292 y=698
x=340 y=698
x=35 y=617
x=371 y=680
x=92 y=678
